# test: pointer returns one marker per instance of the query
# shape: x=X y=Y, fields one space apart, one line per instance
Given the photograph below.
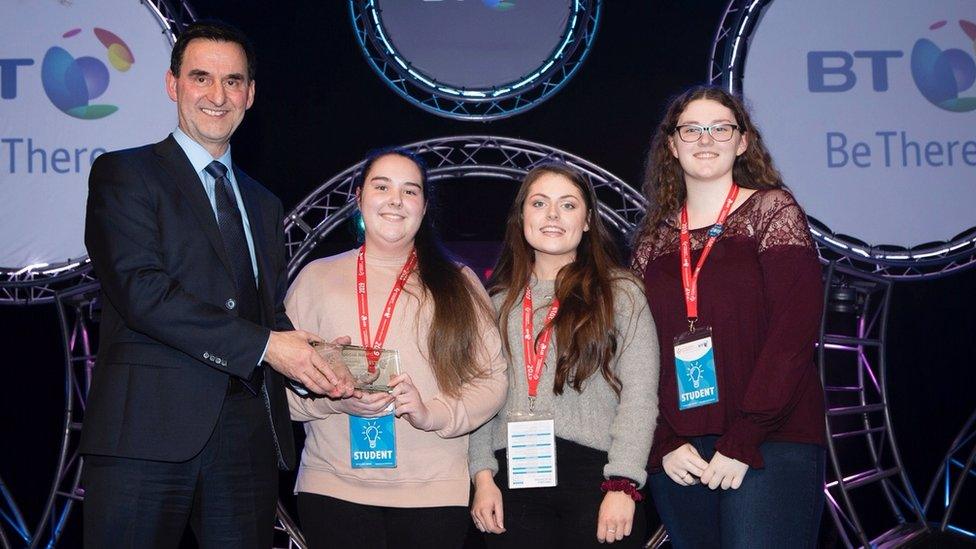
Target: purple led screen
x=475 y=44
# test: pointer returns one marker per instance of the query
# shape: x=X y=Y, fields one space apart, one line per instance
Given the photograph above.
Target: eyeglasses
x=690 y=133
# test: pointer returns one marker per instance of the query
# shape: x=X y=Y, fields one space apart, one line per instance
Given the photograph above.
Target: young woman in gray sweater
x=583 y=366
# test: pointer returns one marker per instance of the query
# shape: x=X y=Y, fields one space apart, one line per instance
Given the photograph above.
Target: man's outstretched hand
x=307 y=359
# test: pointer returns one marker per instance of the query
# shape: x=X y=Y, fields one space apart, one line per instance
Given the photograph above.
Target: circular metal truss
x=31 y=287
x=958 y=465
x=481 y=104
x=79 y=312
x=454 y=159
x=930 y=260
x=40 y=283
x=865 y=463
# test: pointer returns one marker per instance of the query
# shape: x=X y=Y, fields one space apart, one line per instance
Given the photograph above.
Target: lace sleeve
x=782 y=222
x=641 y=255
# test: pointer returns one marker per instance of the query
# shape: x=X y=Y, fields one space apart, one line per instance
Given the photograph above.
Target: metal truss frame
x=41 y=283
x=493 y=103
x=956 y=459
x=929 y=260
x=658 y=538
x=455 y=158
x=860 y=438
x=76 y=313
x=287 y=535
x=30 y=287
x=173 y=15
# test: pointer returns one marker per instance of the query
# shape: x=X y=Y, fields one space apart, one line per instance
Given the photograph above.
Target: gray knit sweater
x=594 y=417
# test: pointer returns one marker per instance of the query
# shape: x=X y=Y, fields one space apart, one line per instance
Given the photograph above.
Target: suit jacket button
x=230 y=304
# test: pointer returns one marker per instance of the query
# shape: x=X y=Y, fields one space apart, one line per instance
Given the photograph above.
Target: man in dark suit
x=186 y=423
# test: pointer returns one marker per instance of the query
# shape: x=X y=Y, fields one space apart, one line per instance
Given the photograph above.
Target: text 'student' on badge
x=372 y=371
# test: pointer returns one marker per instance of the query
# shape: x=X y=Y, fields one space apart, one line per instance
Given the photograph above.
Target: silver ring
x=611 y=529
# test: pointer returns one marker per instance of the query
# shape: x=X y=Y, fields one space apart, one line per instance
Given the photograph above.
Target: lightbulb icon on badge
x=695 y=373
x=372 y=432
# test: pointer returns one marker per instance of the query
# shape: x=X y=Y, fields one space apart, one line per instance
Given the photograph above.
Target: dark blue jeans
x=777 y=506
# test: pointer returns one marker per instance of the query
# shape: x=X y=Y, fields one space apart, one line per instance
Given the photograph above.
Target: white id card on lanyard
x=531 y=450
x=531 y=433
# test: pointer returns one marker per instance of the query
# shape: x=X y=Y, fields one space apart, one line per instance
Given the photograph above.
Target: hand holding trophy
x=331 y=355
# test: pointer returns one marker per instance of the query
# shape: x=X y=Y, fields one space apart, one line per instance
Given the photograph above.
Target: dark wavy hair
x=664 y=182
x=458 y=311
x=586 y=337
x=217 y=31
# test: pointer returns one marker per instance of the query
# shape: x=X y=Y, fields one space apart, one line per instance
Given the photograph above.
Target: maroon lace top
x=761 y=292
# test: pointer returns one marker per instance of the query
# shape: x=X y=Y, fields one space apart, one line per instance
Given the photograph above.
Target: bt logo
x=72 y=83
x=841 y=66
x=940 y=75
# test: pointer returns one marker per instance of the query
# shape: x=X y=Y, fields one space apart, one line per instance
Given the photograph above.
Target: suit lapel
x=180 y=171
x=252 y=206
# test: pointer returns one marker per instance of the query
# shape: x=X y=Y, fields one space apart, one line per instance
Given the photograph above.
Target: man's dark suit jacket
x=170 y=335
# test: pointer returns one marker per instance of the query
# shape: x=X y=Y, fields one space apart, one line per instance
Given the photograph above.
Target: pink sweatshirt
x=432 y=464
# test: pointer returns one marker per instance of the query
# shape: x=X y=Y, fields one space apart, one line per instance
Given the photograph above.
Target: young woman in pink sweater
x=400 y=291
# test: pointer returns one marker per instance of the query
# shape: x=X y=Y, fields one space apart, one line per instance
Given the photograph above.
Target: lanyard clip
x=531 y=404
x=691 y=324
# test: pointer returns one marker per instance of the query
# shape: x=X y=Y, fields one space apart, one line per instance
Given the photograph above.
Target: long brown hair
x=586 y=338
x=458 y=311
x=664 y=182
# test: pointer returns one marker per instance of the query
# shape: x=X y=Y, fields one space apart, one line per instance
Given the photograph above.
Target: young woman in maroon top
x=759 y=290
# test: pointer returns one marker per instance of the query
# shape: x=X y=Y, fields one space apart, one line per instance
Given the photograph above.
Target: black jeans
x=226 y=493
x=563 y=516
x=334 y=523
x=776 y=506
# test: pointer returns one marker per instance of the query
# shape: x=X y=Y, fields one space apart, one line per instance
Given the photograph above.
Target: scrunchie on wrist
x=621 y=484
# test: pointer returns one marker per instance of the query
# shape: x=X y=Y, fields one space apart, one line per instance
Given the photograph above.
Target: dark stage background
x=320 y=108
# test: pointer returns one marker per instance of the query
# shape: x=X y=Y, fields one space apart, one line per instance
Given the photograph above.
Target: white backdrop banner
x=76 y=79
x=869 y=110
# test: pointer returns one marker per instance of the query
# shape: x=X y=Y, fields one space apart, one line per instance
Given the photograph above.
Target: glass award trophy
x=373 y=378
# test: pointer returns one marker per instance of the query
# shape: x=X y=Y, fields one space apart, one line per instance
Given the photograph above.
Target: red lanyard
x=535 y=358
x=373 y=352
x=688 y=280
